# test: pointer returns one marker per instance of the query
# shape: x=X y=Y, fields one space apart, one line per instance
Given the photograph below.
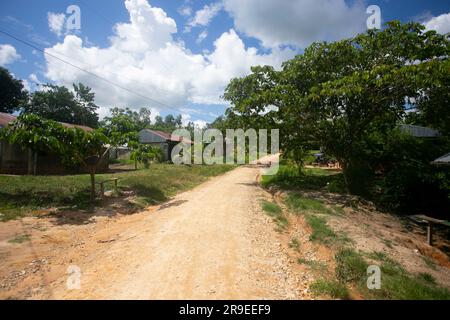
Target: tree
x=34 y=134
x=74 y=146
x=335 y=94
x=145 y=154
x=12 y=93
x=60 y=104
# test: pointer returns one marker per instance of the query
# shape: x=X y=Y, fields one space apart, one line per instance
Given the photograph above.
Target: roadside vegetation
x=21 y=195
x=348 y=278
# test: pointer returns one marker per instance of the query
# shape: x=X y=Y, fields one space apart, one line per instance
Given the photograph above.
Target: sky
x=177 y=56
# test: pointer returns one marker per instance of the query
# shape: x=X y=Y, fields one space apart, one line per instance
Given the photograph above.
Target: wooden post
x=115 y=185
x=430 y=233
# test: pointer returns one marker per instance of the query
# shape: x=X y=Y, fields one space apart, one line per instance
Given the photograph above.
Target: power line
x=92 y=73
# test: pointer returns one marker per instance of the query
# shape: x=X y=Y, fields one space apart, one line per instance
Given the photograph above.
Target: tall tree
x=12 y=93
x=60 y=104
x=335 y=94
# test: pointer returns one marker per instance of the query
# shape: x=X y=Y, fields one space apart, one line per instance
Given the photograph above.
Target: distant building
x=15 y=160
x=163 y=140
x=442 y=161
x=419 y=132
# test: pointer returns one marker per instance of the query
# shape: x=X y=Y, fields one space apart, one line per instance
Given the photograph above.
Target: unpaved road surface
x=212 y=242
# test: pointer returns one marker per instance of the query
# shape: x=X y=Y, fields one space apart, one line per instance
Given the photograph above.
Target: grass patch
x=288 y=177
x=294 y=244
x=20 y=239
x=396 y=282
x=19 y=195
x=332 y=288
x=273 y=210
x=321 y=232
x=429 y=262
x=299 y=203
x=350 y=265
x=426 y=277
x=313 y=264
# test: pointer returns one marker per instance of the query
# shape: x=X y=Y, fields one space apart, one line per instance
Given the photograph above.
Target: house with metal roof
x=419 y=132
x=442 y=161
x=163 y=140
x=16 y=160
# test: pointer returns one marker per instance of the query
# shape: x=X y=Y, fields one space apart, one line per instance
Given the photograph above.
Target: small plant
x=426 y=277
x=299 y=203
x=274 y=211
x=332 y=288
x=313 y=264
x=350 y=265
x=20 y=239
x=294 y=244
x=320 y=230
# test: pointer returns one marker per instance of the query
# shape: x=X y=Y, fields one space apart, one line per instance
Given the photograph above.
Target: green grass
x=332 y=288
x=321 y=232
x=429 y=262
x=273 y=210
x=294 y=244
x=19 y=195
x=299 y=203
x=396 y=282
x=350 y=265
x=288 y=177
x=313 y=264
x=20 y=239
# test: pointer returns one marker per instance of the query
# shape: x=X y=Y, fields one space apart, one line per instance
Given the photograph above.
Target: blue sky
x=161 y=56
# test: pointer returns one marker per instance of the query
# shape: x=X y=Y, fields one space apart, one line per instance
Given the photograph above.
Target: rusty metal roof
x=169 y=137
x=6 y=118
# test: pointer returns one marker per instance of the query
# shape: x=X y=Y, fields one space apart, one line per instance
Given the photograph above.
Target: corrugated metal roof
x=6 y=118
x=420 y=132
x=168 y=137
x=444 y=160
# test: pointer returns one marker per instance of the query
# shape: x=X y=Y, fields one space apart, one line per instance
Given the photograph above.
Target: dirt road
x=212 y=242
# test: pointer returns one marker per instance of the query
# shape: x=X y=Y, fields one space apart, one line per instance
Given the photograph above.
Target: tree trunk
x=92 y=174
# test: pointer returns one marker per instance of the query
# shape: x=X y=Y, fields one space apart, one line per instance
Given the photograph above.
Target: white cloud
x=204 y=16
x=144 y=57
x=26 y=84
x=33 y=77
x=56 y=22
x=440 y=23
x=297 y=22
x=8 y=54
x=202 y=36
x=186 y=118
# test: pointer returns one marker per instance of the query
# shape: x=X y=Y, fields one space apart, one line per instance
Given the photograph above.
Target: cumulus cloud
x=202 y=36
x=56 y=22
x=204 y=16
x=297 y=22
x=440 y=23
x=144 y=57
x=8 y=54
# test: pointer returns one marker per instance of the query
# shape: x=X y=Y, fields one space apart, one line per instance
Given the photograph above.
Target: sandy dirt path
x=212 y=242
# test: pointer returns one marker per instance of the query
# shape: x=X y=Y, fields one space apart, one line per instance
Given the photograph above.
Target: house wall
x=14 y=160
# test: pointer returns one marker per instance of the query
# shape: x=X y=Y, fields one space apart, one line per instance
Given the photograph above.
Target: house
x=15 y=160
x=442 y=161
x=419 y=132
x=163 y=140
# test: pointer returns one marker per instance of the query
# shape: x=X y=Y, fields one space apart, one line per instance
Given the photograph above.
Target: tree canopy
x=12 y=93
x=60 y=104
x=337 y=96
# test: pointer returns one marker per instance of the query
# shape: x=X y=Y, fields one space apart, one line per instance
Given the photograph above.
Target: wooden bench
x=102 y=185
x=430 y=222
